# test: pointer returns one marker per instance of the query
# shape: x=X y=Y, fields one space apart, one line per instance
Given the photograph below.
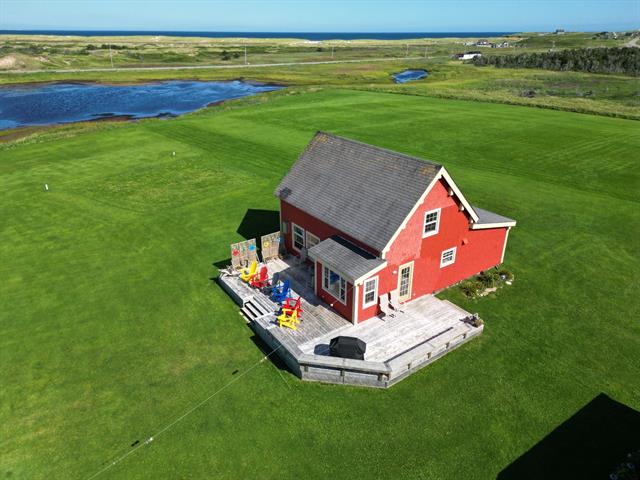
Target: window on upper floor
x=431 y=223
x=448 y=257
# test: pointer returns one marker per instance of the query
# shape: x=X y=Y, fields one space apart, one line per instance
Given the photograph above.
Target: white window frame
x=438 y=212
x=293 y=237
x=309 y=244
x=325 y=284
x=453 y=257
x=366 y=304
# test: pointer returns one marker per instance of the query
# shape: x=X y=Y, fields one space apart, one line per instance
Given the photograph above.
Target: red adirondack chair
x=261 y=280
x=291 y=306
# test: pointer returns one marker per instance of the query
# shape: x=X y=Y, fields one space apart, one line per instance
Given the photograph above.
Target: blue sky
x=321 y=15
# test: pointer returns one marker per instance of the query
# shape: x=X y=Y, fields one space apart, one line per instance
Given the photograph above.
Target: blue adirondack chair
x=281 y=291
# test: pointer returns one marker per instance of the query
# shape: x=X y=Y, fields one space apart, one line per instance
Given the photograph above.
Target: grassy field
x=68 y=52
x=111 y=327
x=612 y=95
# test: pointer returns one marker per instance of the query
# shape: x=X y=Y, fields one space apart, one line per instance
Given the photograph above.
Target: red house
x=374 y=221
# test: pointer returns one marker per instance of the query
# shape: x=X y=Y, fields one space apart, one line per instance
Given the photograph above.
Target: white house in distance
x=467 y=56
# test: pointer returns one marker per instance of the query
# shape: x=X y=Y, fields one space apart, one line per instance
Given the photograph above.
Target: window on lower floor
x=448 y=257
x=370 y=292
x=298 y=237
x=334 y=284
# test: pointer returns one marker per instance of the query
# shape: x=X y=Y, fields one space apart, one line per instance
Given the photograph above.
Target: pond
x=52 y=103
x=409 y=75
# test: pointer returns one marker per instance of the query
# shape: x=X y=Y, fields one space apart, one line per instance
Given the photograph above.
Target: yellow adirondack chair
x=247 y=274
x=289 y=320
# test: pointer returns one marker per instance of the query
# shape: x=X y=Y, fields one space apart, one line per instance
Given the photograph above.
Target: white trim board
x=504 y=246
x=484 y=226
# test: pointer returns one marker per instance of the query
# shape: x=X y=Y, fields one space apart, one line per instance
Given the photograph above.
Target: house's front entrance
x=405 y=281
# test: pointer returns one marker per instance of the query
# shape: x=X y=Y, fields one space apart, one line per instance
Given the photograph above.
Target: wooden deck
x=397 y=345
x=425 y=321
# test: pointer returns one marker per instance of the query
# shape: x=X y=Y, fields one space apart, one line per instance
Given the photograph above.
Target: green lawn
x=111 y=327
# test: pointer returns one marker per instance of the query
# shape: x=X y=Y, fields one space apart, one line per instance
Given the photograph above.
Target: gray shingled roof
x=342 y=255
x=364 y=191
x=485 y=217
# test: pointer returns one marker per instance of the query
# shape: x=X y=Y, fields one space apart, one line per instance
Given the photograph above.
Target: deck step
x=250 y=311
x=254 y=309
x=264 y=304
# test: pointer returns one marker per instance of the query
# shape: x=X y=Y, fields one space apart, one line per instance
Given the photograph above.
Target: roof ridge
x=375 y=147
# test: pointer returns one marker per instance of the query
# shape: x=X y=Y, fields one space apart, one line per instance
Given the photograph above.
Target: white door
x=405 y=281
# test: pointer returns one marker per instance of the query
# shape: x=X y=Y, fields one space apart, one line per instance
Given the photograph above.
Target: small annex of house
x=367 y=237
x=376 y=222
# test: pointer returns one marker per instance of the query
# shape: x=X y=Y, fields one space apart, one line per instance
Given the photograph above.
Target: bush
x=505 y=275
x=489 y=278
x=471 y=288
x=625 y=60
x=475 y=286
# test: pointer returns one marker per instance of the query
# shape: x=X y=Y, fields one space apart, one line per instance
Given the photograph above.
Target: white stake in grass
x=46 y=187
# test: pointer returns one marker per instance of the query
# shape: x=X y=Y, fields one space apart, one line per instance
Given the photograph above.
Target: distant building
x=483 y=43
x=559 y=31
x=607 y=35
x=467 y=56
x=500 y=45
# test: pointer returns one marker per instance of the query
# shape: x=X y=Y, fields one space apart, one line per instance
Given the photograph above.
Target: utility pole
x=245 y=55
x=331 y=52
x=110 y=56
x=407 y=54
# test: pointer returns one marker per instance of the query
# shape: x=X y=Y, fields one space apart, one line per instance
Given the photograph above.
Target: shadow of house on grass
x=590 y=444
x=254 y=224
x=257 y=223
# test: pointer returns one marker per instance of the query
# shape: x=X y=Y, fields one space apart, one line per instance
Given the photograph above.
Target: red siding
x=345 y=310
x=482 y=250
x=289 y=213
